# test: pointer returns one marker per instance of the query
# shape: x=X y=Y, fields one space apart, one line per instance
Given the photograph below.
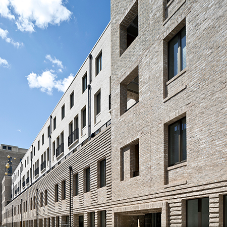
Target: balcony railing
x=27 y=180
x=60 y=150
x=43 y=165
x=23 y=184
x=73 y=136
x=37 y=171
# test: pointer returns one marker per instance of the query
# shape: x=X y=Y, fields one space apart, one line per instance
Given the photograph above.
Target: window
x=81 y=221
x=53 y=148
x=102 y=215
x=83 y=118
x=4 y=147
x=34 y=151
x=56 y=193
x=197 y=212
x=63 y=111
x=129 y=89
x=9 y=148
x=131 y=150
x=41 y=199
x=76 y=128
x=98 y=103
x=45 y=197
x=42 y=139
x=72 y=100
x=177 y=142
x=177 y=53
x=84 y=83
x=225 y=210
x=87 y=180
x=31 y=204
x=38 y=145
x=34 y=203
x=71 y=133
x=92 y=219
x=99 y=63
x=75 y=185
x=102 y=173
x=129 y=28
x=63 y=190
x=48 y=131
x=54 y=123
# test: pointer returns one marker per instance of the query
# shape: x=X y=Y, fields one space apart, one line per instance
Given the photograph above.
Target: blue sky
x=42 y=46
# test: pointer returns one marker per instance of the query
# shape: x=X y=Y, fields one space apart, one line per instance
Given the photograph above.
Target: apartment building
x=82 y=113
x=162 y=161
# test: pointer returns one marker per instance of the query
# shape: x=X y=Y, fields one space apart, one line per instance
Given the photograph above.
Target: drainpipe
x=12 y=215
x=37 y=212
x=21 y=213
x=70 y=195
x=89 y=95
x=31 y=165
x=50 y=142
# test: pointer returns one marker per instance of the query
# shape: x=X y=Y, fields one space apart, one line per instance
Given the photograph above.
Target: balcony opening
x=129 y=91
x=129 y=28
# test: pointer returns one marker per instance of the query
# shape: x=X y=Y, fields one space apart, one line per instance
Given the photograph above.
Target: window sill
x=177 y=76
x=169 y=3
x=60 y=155
x=178 y=165
x=131 y=107
x=74 y=142
x=169 y=17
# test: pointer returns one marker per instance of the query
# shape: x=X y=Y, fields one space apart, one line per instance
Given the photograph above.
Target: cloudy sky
x=43 y=43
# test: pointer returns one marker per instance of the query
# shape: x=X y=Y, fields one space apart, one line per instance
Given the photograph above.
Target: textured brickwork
x=95 y=200
x=198 y=93
x=135 y=190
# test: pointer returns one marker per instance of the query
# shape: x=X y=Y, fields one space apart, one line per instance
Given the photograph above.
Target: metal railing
x=37 y=171
x=43 y=165
x=60 y=149
x=73 y=136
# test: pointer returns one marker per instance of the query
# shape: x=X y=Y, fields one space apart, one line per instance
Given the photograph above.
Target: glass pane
x=87 y=179
x=205 y=212
x=103 y=218
x=103 y=173
x=225 y=211
x=183 y=48
x=192 y=213
x=174 y=136
x=183 y=139
x=173 y=57
x=92 y=219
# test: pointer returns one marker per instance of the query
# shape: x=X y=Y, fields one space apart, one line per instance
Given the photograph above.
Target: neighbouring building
x=161 y=161
x=12 y=155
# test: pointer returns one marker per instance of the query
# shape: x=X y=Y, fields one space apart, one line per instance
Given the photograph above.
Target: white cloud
x=4 y=9
x=34 y=12
x=4 y=63
x=19 y=130
x=4 y=34
x=62 y=85
x=47 y=82
x=54 y=61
